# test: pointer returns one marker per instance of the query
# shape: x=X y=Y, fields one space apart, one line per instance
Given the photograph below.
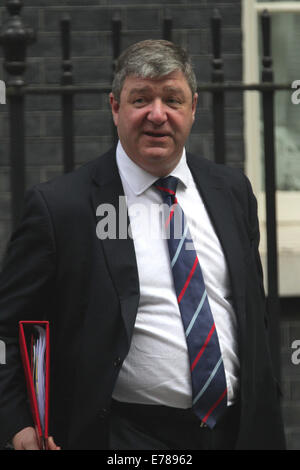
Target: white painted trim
x=280 y=7
x=251 y=98
x=287 y=203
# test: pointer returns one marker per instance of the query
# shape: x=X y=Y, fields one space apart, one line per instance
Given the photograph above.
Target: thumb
x=51 y=444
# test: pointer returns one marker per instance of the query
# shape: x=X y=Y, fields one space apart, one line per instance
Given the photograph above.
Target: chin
x=157 y=152
x=158 y=163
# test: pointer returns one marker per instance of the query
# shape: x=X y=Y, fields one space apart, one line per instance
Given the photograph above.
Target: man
x=123 y=324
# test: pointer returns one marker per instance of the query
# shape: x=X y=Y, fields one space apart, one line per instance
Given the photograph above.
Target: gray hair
x=152 y=59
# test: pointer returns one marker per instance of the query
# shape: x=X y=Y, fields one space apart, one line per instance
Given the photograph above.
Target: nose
x=157 y=114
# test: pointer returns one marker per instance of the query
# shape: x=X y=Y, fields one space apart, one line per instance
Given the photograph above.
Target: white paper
x=39 y=349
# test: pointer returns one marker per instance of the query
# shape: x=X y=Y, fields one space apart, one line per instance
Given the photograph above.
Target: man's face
x=154 y=118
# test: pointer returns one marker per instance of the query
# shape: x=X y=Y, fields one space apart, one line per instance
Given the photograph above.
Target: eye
x=139 y=101
x=174 y=101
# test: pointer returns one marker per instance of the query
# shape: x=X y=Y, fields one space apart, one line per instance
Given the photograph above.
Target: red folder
x=27 y=338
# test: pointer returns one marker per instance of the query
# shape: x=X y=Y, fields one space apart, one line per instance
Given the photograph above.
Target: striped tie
x=207 y=369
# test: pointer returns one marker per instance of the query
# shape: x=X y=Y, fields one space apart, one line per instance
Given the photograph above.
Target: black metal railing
x=15 y=38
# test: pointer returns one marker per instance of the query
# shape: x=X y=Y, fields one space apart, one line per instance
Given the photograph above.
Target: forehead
x=174 y=82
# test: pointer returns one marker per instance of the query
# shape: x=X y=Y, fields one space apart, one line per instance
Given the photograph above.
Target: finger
x=52 y=445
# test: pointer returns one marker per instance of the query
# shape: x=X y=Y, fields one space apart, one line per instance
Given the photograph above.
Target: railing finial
x=67 y=67
x=14 y=38
x=267 y=63
x=167 y=25
x=217 y=62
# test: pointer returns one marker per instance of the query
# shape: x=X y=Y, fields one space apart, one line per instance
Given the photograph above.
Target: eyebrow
x=147 y=89
x=173 y=89
x=139 y=90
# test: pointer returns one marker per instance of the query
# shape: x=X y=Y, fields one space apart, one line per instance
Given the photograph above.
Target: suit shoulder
x=233 y=179
x=231 y=174
x=74 y=185
x=67 y=181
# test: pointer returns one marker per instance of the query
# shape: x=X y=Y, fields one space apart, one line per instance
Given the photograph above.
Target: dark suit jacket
x=57 y=269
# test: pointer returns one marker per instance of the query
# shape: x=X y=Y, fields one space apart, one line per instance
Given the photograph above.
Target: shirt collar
x=140 y=180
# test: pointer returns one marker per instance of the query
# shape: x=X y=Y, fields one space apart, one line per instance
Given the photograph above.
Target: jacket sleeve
x=25 y=285
x=255 y=239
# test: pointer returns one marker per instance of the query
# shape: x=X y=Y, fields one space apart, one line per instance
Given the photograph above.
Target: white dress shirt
x=156 y=370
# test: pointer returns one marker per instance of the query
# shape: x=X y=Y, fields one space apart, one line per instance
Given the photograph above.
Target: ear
x=194 y=105
x=115 y=106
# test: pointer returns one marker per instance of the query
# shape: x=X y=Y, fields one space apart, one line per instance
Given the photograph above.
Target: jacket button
x=117 y=362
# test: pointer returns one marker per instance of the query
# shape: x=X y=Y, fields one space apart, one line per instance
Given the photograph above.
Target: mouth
x=156 y=135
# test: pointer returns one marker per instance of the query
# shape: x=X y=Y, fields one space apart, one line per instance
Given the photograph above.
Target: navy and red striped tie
x=206 y=363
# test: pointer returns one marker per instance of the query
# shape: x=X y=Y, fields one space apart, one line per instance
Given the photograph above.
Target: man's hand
x=26 y=439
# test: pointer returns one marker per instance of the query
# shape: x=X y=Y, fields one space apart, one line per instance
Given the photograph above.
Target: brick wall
x=92 y=61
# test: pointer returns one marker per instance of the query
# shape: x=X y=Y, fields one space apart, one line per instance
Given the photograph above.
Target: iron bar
x=167 y=26
x=204 y=87
x=218 y=95
x=15 y=37
x=116 y=41
x=270 y=191
x=67 y=97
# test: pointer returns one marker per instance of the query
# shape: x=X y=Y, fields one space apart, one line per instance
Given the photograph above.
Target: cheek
x=131 y=122
x=182 y=125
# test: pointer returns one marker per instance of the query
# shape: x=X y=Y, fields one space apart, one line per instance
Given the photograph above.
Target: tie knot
x=167 y=186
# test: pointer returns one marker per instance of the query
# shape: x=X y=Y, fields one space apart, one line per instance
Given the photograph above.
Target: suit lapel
x=220 y=207
x=119 y=252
